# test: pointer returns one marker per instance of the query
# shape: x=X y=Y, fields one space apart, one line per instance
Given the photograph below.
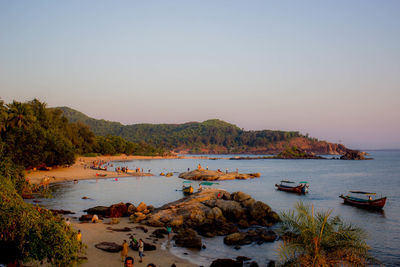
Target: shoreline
x=93 y=233
x=78 y=171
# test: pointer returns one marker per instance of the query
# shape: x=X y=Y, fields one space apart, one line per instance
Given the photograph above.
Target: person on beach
x=169 y=230
x=129 y=262
x=95 y=219
x=200 y=188
x=199 y=167
x=124 y=251
x=79 y=238
x=141 y=249
x=67 y=222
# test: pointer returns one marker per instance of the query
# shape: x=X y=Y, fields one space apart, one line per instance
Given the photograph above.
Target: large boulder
x=159 y=233
x=109 y=247
x=187 y=238
x=98 y=210
x=232 y=210
x=239 y=238
x=117 y=210
x=142 y=206
x=240 y=196
x=259 y=210
x=220 y=228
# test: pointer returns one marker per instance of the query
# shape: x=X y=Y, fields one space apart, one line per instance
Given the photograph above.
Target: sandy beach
x=93 y=233
x=78 y=171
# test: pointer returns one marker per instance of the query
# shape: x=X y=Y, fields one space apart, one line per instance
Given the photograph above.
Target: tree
x=320 y=240
x=19 y=115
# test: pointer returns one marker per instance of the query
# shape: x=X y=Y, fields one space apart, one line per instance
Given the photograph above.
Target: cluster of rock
x=215 y=212
x=119 y=210
x=208 y=213
x=209 y=175
x=353 y=155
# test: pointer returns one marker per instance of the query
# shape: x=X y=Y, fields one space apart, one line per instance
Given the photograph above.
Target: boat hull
x=187 y=190
x=300 y=189
x=362 y=203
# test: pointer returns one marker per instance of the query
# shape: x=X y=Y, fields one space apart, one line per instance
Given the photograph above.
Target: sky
x=327 y=68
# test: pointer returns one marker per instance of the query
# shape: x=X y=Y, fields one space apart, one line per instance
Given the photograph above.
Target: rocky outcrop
x=122 y=210
x=209 y=175
x=187 y=238
x=159 y=233
x=353 y=155
x=259 y=235
x=214 y=212
x=109 y=247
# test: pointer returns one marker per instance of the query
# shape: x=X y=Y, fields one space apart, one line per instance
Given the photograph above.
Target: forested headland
x=208 y=137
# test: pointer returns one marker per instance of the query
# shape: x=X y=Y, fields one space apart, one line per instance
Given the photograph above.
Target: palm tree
x=320 y=240
x=19 y=115
x=3 y=116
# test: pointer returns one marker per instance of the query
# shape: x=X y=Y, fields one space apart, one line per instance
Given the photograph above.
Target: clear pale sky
x=327 y=68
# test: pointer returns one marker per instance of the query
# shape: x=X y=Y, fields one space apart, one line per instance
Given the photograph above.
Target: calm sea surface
x=328 y=179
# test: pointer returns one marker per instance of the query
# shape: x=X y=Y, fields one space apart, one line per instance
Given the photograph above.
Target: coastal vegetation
x=210 y=136
x=320 y=240
x=30 y=233
x=33 y=135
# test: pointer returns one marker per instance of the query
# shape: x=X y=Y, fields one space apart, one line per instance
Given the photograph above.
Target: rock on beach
x=209 y=175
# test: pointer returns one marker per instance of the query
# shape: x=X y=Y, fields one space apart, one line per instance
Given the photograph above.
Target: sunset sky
x=327 y=68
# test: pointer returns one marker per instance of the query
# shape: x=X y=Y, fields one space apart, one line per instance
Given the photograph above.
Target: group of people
x=129 y=261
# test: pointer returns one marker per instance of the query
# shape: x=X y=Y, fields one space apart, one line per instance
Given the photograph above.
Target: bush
x=30 y=233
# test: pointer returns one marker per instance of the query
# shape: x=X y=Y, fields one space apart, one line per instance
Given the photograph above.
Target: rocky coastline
x=211 y=212
x=210 y=175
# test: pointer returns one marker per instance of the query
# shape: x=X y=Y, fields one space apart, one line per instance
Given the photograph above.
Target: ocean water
x=328 y=179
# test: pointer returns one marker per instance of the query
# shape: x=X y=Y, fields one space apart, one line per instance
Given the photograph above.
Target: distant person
x=67 y=222
x=95 y=219
x=199 y=167
x=169 y=230
x=226 y=170
x=124 y=251
x=129 y=262
x=207 y=167
x=200 y=188
x=141 y=249
x=79 y=236
x=188 y=169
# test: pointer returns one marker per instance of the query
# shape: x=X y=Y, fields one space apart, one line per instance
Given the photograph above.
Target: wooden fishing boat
x=369 y=203
x=287 y=186
x=187 y=190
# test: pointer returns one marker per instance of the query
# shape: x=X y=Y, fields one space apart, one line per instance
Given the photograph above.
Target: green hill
x=211 y=136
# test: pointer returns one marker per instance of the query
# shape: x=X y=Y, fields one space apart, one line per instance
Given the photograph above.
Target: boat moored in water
x=301 y=188
x=187 y=189
x=368 y=203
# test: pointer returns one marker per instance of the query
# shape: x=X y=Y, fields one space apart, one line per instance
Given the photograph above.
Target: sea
x=327 y=179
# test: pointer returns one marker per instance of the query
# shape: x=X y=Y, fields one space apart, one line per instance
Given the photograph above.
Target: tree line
x=210 y=133
x=34 y=136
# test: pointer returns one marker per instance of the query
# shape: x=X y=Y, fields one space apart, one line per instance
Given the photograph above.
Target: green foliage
x=11 y=172
x=320 y=240
x=35 y=136
x=192 y=135
x=32 y=233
